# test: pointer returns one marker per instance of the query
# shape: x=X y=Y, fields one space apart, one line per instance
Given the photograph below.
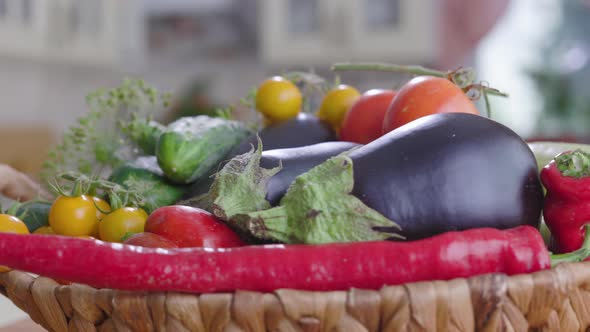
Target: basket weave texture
x=552 y=300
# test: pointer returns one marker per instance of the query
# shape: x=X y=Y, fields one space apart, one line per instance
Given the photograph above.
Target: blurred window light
x=382 y=14
x=303 y=17
x=504 y=57
x=3 y=6
x=27 y=10
x=73 y=18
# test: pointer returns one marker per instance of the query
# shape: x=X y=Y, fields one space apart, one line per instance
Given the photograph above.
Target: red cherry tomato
x=191 y=227
x=425 y=95
x=363 y=123
x=149 y=240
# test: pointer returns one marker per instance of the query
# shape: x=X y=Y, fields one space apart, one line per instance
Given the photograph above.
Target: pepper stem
x=574 y=164
x=575 y=256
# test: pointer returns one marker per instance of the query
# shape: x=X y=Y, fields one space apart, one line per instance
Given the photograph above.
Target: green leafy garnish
x=116 y=128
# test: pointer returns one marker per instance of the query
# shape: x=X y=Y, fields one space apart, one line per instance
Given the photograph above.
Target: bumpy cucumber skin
x=192 y=146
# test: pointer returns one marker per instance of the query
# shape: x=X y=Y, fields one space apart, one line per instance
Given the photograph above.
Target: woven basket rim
x=553 y=299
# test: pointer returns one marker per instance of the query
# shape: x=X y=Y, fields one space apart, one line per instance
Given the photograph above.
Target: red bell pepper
x=566 y=207
x=336 y=266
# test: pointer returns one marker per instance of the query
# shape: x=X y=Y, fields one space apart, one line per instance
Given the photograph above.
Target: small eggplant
x=296 y=161
x=305 y=129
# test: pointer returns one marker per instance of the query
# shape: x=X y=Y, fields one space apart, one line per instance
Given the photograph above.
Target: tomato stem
x=115 y=202
x=387 y=67
x=13 y=209
x=487 y=102
x=77 y=190
x=462 y=77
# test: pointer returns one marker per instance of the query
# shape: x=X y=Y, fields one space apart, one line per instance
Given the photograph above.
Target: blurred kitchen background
x=52 y=53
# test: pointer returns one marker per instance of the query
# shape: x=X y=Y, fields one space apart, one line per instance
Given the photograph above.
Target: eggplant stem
x=575 y=256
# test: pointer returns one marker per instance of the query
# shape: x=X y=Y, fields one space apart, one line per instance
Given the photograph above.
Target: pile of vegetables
x=361 y=190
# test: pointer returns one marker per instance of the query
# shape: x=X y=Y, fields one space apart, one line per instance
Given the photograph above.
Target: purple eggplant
x=305 y=129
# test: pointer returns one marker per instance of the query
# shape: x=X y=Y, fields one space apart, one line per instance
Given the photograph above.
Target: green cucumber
x=34 y=214
x=545 y=151
x=192 y=146
x=144 y=176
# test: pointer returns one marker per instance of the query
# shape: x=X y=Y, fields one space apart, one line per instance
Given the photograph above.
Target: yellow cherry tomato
x=278 y=99
x=125 y=220
x=73 y=216
x=44 y=230
x=11 y=224
x=336 y=103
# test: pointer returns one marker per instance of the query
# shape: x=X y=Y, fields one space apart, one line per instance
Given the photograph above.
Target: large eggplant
x=440 y=173
x=296 y=161
x=449 y=172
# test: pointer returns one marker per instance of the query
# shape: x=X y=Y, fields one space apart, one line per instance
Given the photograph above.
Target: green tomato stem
x=487 y=102
x=456 y=76
x=13 y=209
x=77 y=190
x=387 y=67
x=115 y=201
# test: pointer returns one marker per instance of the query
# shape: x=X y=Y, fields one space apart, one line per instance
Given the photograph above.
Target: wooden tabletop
x=26 y=325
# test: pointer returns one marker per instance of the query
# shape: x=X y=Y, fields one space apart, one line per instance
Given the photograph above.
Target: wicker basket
x=552 y=300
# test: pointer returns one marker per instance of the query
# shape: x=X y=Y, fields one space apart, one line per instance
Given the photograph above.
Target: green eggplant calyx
x=318 y=208
x=240 y=186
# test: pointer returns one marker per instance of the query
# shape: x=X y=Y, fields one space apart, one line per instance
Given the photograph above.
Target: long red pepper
x=339 y=266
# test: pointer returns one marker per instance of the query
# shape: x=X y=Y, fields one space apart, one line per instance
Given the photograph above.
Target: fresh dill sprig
x=102 y=139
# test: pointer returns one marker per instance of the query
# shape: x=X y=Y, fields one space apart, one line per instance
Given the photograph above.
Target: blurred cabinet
x=304 y=32
x=323 y=31
x=85 y=31
x=97 y=32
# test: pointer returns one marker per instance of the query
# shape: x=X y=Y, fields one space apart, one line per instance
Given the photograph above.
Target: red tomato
x=425 y=95
x=191 y=227
x=363 y=123
x=149 y=240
